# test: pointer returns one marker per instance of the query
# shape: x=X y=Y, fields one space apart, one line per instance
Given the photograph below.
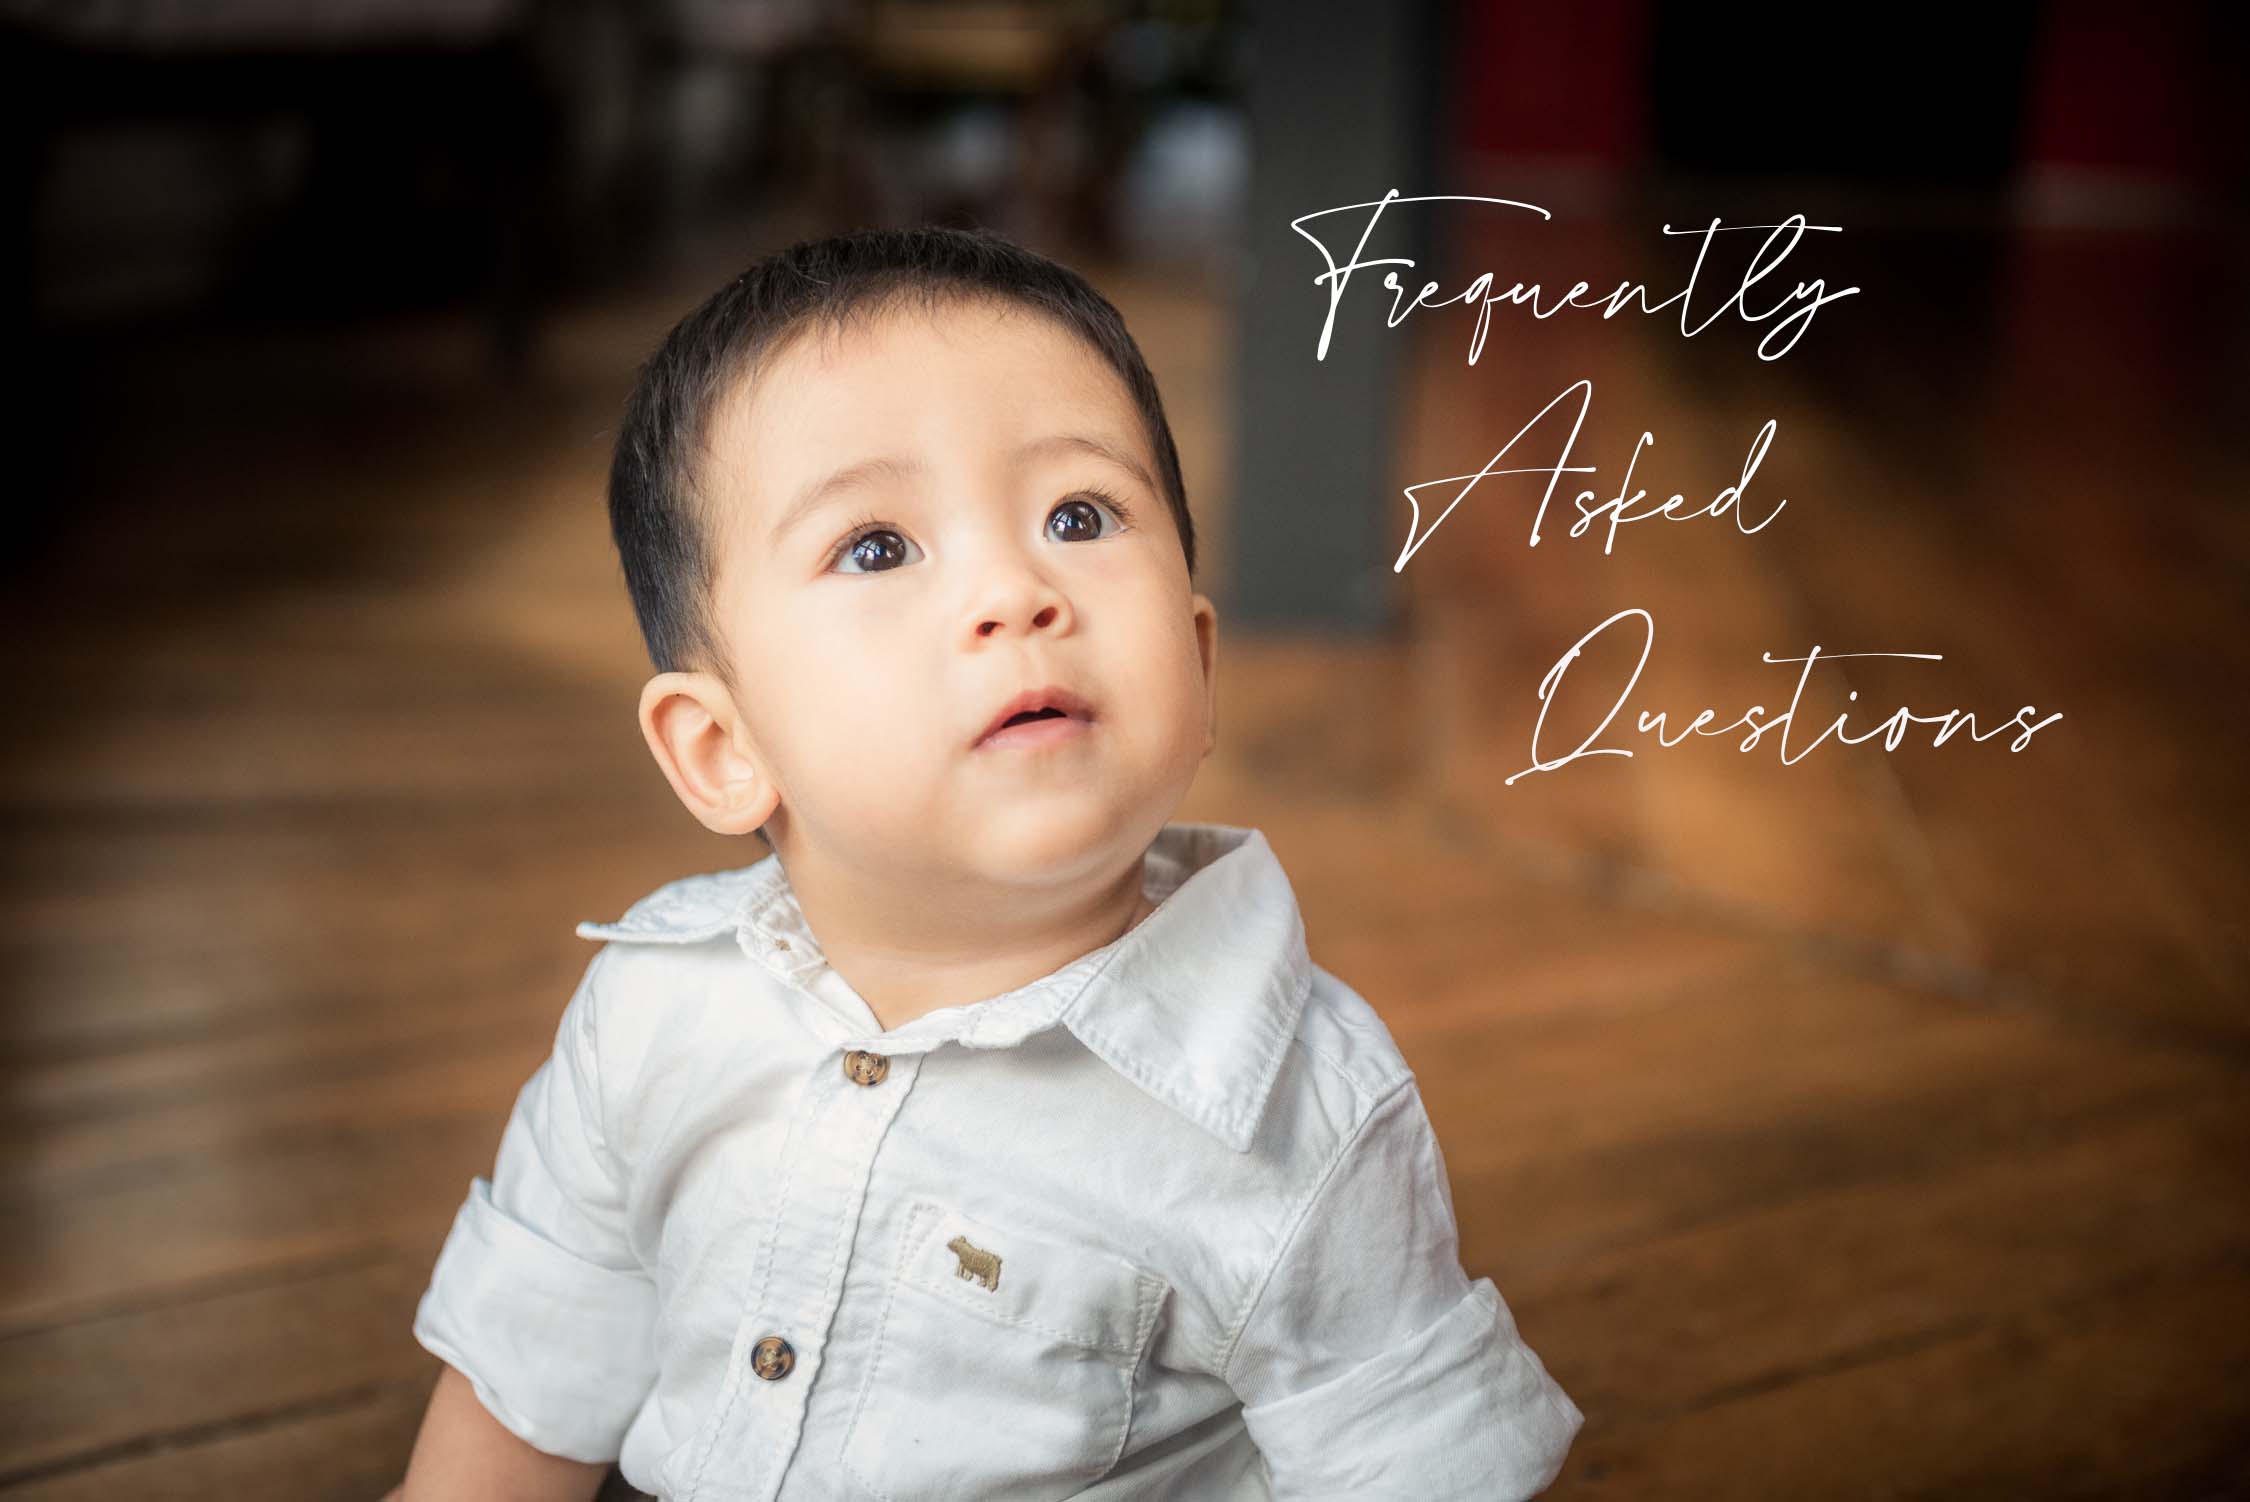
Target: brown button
x=864 y=1068
x=781 y=943
x=772 y=1358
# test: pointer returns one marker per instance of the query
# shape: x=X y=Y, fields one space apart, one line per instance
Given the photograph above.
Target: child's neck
x=906 y=956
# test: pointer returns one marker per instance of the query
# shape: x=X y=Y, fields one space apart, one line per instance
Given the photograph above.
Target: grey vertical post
x=1344 y=106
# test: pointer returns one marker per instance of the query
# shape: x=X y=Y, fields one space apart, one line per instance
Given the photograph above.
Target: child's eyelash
x=1107 y=498
x=857 y=528
x=865 y=523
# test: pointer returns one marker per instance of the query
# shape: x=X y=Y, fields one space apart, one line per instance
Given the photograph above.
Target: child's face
x=955 y=552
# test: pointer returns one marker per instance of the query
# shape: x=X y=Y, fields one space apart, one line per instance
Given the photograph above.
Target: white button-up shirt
x=1167 y=1222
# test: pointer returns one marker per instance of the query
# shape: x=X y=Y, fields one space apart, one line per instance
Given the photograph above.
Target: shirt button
x=781 y=943
x=864 y=1068
x=772 y=1358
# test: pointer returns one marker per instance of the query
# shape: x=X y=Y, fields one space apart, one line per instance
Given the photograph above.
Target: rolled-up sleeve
x=537 y=1297
x=1369 y=1364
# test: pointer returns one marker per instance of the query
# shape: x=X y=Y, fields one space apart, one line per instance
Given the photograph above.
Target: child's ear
x=1207 y=643
x=694 y=732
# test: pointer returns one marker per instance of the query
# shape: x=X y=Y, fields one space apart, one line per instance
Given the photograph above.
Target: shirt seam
x=613 y=1166
x=1241 y=1323
x=1379 y=1093
x=1433 y=1158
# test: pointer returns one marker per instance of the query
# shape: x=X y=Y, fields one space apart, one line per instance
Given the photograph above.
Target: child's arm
x=539 y=1304
x=1368 y=1360
x=463 y=1452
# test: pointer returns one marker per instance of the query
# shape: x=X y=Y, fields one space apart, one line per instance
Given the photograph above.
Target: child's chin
x=1055 y=838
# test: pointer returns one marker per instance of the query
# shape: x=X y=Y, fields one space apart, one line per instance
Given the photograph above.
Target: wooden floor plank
x=349 y=1449
x=1683 y=1320
x=285 y=1347
x=227 y=1218
x=2123 y=1393
x=464 y=1077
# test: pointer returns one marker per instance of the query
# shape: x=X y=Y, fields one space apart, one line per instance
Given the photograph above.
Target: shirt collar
x=1195 y=1004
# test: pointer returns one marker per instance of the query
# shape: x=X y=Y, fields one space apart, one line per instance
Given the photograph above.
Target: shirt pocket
x=1004 y=1364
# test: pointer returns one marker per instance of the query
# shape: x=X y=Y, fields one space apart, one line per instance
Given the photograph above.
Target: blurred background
x=1868 y=1126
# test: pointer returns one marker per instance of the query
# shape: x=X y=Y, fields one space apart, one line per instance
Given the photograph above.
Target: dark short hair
x=663 y=536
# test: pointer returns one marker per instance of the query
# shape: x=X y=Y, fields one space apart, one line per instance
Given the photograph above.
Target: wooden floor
x=1872 y=1126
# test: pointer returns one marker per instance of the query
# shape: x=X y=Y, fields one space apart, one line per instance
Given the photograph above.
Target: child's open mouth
x=1042 y=717
x=1038 y=730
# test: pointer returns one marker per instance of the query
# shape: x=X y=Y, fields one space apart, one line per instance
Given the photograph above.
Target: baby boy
x=991 y=1137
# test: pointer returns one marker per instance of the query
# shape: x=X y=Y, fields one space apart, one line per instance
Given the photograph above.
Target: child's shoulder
x=666 y=966
x=1346 y=1060
x=689 y=909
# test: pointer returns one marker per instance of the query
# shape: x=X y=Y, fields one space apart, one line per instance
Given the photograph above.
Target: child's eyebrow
x=1080 y=443
x=852 y=476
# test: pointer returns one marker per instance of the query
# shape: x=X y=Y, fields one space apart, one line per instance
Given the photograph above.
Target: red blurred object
x=1554 y=81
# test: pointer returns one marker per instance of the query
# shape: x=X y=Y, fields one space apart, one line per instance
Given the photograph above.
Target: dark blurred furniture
x=434 y=150
x=1342 y=110
x=425 y=124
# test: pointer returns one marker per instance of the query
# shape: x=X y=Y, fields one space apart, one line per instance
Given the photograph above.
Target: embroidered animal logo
x=975 y=1263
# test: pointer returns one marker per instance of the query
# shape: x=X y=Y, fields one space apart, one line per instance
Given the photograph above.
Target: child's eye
x=1082 y=517
x=871 y=546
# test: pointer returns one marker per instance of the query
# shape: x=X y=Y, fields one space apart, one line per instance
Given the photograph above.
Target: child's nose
x=1043 y=619
x=1016 y=596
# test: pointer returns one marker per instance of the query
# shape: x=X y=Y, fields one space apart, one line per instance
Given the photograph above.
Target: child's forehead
x=827 y=382
x=865 y=340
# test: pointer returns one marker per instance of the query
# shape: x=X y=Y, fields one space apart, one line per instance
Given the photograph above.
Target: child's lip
x=1052 y=696
x=1033 y=734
